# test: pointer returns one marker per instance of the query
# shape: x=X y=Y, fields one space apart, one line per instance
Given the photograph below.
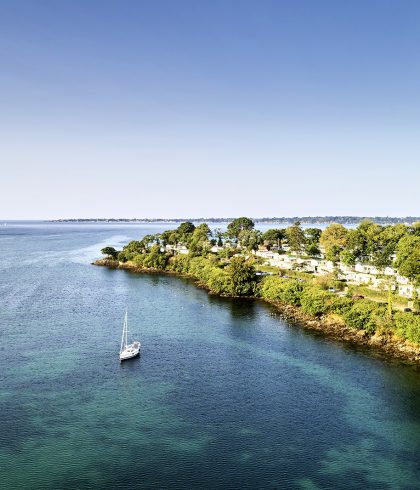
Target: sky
x=204 y=108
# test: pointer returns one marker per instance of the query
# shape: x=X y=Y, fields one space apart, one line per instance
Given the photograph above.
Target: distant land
x=349 y=220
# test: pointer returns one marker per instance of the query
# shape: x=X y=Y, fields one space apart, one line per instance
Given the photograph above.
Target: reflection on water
x=224 y=395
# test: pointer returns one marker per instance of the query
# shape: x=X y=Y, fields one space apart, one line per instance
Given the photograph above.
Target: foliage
x=295 y=237
x=408 y=326
x=360 y=316
x=312 y=236
x=242 y=273
x=238 y=225
x=275 y=288
x=407 y=260
x=134 y=247
x=315 y=301
x=250 y=239
x=199 y=243
x=184 y=231
x=273 y=236
x=110 y=252
x=333 y=240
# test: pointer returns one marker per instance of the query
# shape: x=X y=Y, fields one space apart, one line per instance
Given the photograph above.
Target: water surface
x=225 y=395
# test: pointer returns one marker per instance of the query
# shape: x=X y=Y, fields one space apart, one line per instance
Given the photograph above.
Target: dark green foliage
x=273 y=236
x=315 y=301
x=408 y=257
x=361 y=316
x=312 y=236
x=242 y=273
x=408 y=326
x=238 y=225
x=275 y=288
x=110 y=252
x=295 y=237
x=134 y=246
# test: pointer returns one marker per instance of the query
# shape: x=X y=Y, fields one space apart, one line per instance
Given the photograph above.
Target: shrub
x=341 y=305
x=360 y=316
x=180 y=263
x=242 y=274
x=315 y=301
x=277 y=289
x=220 y=282
x=407 y=326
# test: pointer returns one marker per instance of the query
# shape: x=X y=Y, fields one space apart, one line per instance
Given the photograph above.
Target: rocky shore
x=385 y=345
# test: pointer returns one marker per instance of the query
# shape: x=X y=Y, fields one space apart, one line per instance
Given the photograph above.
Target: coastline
x=331 y=326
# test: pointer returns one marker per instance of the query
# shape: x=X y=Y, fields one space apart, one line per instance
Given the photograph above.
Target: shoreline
x=389 y=347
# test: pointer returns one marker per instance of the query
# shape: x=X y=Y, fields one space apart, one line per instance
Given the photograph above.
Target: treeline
x=370 y=243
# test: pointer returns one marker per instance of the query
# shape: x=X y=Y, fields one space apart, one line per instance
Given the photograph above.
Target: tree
x=273 y=236
x=199 y=243
x=110 y=252
x=362 y=242
x=242 y=274
x=148 y=240
x=407 y=260
x=312 y=236
x=219 y=237
x=385 y=243
x=295 y=237
x=333 y=240
x=250 y=239
x=184 y=231
x=238 y=225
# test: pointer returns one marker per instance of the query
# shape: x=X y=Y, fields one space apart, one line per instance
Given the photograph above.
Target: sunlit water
x=224 y=395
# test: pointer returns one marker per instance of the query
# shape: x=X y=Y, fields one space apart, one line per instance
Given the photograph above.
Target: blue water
x=224 y=395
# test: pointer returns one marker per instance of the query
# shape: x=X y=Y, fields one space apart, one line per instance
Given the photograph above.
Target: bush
x=361 y=316
x=407 y=326
x=341 y=305
x=220 y=282
x=315 y=301
x=277 y=289
x=180 y=263
x=242 y=274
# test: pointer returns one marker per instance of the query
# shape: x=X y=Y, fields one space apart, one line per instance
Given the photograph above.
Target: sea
x=225 y=395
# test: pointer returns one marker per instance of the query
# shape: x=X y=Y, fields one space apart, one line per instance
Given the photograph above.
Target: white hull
x=130 y=351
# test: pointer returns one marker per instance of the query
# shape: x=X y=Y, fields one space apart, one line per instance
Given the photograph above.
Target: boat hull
x=130 y=351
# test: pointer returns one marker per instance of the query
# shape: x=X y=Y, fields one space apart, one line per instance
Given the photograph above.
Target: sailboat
x=127 y=351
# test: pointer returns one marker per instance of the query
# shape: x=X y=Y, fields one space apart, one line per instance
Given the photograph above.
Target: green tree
x=250 y=239
x=333 y=240
x=219 y=237
x=110 y=252
x=273 y=236
x=199 y=243
x=312 y=237
x=185 y=231
x=295 y=237
x=385 y=243
x=407 y=259
x=238 y=225
x=242 y=274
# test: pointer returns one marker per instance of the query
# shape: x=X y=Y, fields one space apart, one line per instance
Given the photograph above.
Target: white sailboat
x=127 y=351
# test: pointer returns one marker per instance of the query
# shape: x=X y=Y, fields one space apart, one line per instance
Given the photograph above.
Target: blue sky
x=209 y=108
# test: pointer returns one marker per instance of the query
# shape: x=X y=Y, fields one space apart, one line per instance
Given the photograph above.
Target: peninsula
x=360 y=285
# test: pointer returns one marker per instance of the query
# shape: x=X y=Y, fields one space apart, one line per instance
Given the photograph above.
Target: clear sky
x=171 y=108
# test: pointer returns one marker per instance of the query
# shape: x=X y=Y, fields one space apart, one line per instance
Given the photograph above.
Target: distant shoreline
x=320 y=220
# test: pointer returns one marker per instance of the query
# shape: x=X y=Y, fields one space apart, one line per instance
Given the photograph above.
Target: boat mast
x=126 y=329
x=123 y=332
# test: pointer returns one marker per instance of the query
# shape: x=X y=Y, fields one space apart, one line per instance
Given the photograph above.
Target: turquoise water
x=225 y=394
